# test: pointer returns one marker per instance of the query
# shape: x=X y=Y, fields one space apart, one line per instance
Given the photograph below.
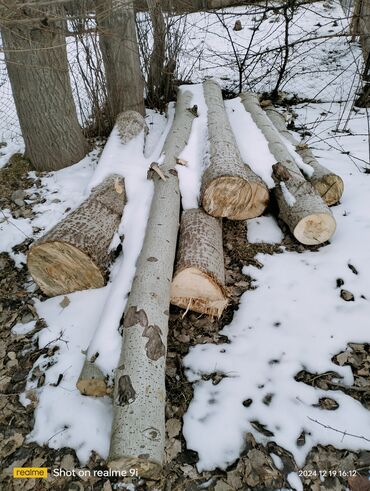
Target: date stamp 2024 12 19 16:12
x=327 y=473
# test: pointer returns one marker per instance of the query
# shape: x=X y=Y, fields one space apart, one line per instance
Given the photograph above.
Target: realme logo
x=30 y=472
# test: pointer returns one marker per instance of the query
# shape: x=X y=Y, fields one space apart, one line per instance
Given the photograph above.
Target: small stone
x=237 y=26
x=347 y=296
x=17 y=197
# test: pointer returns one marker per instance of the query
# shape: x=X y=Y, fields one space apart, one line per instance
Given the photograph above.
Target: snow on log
x=138 y=428
x=74 y=255
x=328 y=184
x=199 y=280
x=229 y=187
x=300 y=206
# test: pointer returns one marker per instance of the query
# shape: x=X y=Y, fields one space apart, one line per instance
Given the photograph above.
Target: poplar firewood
x=300 y=206
x=199 y=279
x=75 y=255
x=229 y=186
x=138 y=428
x=328 y=184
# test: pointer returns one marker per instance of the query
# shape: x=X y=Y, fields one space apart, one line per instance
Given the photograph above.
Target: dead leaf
x=118 y=186
x=359 y=483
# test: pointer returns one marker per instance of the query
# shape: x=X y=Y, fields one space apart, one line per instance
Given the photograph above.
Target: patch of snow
x=63 y=417
x=289 y=198
x=195 y=154
x=294 y=320
x=10 y=149
x=251 y=141
x=13 y=231
x=294 y=480
x=264 y=230
x=21 y=329
x=277 y=461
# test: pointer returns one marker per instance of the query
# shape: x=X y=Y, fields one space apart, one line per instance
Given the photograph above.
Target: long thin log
x=300 y=206
x=328 y=184
x=199 y=279
x=138 y=428
x=74 y=254
x=229 y=186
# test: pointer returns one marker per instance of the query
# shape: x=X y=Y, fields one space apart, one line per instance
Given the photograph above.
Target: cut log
x=138 y=428
x=328 y=184
x=300 y=206
x=74 y=255
x=199 y=280
x=229 y=186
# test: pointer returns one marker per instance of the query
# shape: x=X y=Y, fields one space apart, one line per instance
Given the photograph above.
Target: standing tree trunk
x=229 y=186
x=36 y=60
x=118 y=43
x=300 y=206
x=158 y=56
x=138 y=428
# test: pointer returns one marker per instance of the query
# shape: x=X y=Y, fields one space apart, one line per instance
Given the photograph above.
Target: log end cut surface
x=235 y=198
x=145 y=468
x=330 y=187
x=194 y=290
x=315 y=229
x=92 y=387
x=60 y=268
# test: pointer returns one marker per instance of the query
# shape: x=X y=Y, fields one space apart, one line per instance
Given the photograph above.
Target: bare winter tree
x=118 y=43
x=158 y=55
x=35 y=52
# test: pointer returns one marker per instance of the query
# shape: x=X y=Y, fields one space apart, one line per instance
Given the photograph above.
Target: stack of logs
x=75 y=255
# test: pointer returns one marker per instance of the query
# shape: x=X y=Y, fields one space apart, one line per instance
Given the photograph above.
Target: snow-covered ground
x=294 y=319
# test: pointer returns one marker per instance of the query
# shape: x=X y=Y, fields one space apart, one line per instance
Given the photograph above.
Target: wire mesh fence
x=301 y=48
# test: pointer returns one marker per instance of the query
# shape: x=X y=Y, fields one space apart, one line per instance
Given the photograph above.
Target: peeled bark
x=138 y=429
x=328 y=184
x=118 y=43
x=229 y=186
x=36 y=59
x=199 y=280
x=74 y=255
x=300 y=206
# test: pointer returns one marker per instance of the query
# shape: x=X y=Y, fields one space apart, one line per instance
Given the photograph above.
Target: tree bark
x=328 y=184
x=74 y=255
x=229 y=187
x=118 y=44
x=36 y=60
x=158 y=55
x=199 y=279
x=300 y=206
x=138 y=431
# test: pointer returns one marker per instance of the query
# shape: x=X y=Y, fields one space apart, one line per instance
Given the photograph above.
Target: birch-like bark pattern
x=229 y=186
x=138 y=429
x=308 y=217
x=328 y=184
x=199 y=279
x=74 y=255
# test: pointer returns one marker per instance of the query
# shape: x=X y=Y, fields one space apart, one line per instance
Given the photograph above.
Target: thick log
x=199 y=280
x=328 y=184
x=300 y=206
x=138 y=428
x=229 y=186
x=74 y=255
